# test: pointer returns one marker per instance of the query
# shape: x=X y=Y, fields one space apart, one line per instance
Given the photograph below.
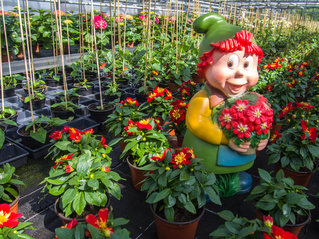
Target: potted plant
x=10 y=83
x=10 y=226
x=8 y=117
x=177 y=122
x=158 y=103
x=281 y=199
x=144 y=139
x=82 y=179
x=38 y=101
x=49 y=77
x=126 y=110
x=241 y=227
x=9 y=191
x=187 y=90
x=102 y=226
x=35 y=133
x=38 y=85
x=113 y=93
x=296 y=151
x=64 y=109
x=176 y=184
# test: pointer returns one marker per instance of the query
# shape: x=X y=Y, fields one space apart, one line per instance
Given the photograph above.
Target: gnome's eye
x=248 y=64
x=232 y=61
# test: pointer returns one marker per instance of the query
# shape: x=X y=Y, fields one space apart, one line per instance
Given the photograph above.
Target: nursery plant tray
x=13 y=154
x=83 y=123
x=38 y=153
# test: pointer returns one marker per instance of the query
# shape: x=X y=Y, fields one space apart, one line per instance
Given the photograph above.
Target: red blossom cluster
x=182 y=156
x=178 y=113
x=276 y=232
x=99 y=23
x=142 y=125
x=309 y=132
x=64 y=160
x=100 y=223
x=75 y=135
x=291 y=106
x=243 y=119
x=276 y=135
x=159 y=92
x=129 y=101
x=185 y=89
x=275 y=65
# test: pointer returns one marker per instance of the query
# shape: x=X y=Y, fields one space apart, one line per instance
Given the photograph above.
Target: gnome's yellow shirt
x=199 y=120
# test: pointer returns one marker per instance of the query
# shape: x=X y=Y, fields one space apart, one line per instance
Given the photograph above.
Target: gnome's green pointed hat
x=216 y=29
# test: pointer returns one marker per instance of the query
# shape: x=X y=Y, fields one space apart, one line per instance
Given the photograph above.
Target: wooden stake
x=67 y=33
x=118 y=24
x=264 y=21
x=235 y=17
x=124 y=40
x=1 y=75
x=6 y=41
x=25 y=62
x=112 y=40
x=185 y=28
x=147 y=42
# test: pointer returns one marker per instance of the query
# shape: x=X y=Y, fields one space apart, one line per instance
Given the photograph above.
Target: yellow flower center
x=227 y=118
x=176 y=114
x=241 y=107
x=180 y=158
x=257 y=113
x=242 y=128
x=4 y=217
x=144 y=121
x=160 y=90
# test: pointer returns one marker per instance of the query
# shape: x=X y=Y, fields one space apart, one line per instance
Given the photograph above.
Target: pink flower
x=99 y=22
x=104 y=14
x=141 y=17
x=156 y=20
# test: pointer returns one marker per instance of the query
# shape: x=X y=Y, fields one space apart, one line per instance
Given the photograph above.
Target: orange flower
x=7 y=218
x=59 y=12
x=76 y=137
x=161 y=157
x=89 y=131
x=56 y=135
x=63 y=159
x=101 y=222
x=129 y=126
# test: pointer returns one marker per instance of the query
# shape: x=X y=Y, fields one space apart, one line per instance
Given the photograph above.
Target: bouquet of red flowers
x=246 y=118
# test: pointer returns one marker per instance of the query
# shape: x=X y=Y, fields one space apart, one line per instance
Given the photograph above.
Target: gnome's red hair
x=242 y=40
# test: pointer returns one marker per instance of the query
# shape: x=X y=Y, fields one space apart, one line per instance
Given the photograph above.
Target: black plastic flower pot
x=85 y=91
x=36 y=104
x=98 y=114
x=28 y=141
x=63 y=114
x=9 y=92
x=52 y=82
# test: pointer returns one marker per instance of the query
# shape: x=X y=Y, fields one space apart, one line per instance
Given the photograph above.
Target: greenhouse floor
x=132 y=206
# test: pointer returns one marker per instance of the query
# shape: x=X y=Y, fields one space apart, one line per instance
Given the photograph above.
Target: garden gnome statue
x=226 y=124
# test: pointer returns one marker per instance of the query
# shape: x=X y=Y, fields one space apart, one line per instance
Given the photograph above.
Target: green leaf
x=169 y=214
x=68 y=196
x=93 y=183
x=226 y=215
x=264 y=175
x=2 y=137
x=64 y=233
x=162 y=180
x=212 y=195
x=163 y=194
x=190 y=207
x=79 y=203
x=95 y=233
x=39 y=135
x=62 y=145
x=232 y=227
x=244 y=232
x=314 y=150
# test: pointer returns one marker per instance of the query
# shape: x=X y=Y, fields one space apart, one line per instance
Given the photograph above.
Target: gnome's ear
x=206 y=21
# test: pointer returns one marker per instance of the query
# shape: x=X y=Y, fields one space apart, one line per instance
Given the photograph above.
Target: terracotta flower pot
x=14 y=206
x=300 y=178
x=176 y=230
x=293 y=228
x=137 y=175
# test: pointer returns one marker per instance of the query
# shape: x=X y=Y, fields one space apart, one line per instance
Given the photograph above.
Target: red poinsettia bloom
x=101 y=222
x=241 y=129
x=226 y=118
x=56 y=135
x=7 y=218
x=106 y=169
x=158 y=124
x=279 y=233
x=274 y=137
x=129 y=126
x=151 y=96
x=177 y=115
x=180 y=158
x=161 y=157
x=311 y=131
x=255 y=114
x=63 y=159
x=144 y=124
x=285 y=110
x=102 y=142
x=304 y=105
x=76 y=137
x=68 y=168
x=89 y=131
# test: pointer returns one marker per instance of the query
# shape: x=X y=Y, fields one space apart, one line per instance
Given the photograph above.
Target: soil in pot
x=177 y=230
x=83 y=90
x=100 y=115
x=52 y=82
x=28 y=141
x=62 y=113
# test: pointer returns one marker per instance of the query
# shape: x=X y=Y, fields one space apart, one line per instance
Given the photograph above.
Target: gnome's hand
x=262 y=144
x=241 y=148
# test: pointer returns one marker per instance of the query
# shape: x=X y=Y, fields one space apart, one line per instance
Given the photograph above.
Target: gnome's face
x=233 y=73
